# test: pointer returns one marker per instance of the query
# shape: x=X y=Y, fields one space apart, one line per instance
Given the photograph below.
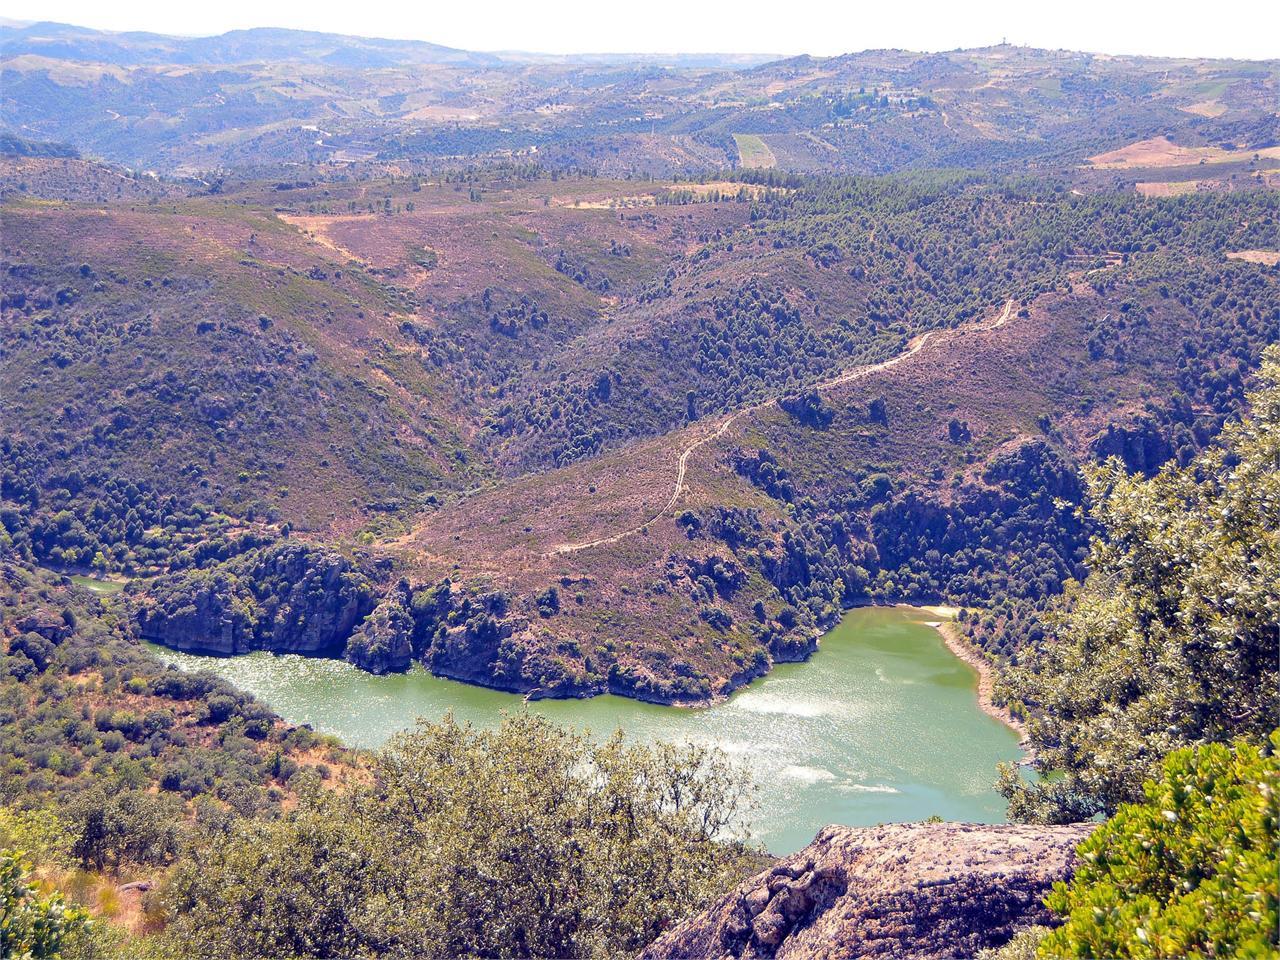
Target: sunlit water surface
x=881 y=724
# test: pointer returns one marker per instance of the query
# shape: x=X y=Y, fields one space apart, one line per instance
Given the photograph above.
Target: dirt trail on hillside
x=682 y=469
x=849 y=376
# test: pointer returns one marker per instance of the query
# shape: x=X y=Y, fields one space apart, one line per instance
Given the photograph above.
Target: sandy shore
x=960 y=646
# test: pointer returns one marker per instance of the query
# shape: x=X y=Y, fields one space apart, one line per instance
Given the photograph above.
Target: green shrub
x=1172 y=639
x=40 y=833
x=525 y=841
x=32 y=926
x=1190 y=872
x=1023 y=946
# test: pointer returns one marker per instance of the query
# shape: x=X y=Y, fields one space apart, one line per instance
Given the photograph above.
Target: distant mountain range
x=272 y=101
x=62 y=41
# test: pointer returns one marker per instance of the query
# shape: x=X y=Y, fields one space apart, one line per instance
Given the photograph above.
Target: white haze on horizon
x=1248 y=29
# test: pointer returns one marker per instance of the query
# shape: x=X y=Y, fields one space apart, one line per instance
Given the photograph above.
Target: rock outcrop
x=287 y=598
x=383 y=643
x=923 y=890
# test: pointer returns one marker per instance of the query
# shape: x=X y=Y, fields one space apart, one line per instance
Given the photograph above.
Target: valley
x=509 y=504
x=854 y=736
x=555 y=448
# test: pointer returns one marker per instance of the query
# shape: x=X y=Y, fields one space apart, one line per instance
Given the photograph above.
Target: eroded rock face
x=383 y=643
x=288 y=598
x=925 y=890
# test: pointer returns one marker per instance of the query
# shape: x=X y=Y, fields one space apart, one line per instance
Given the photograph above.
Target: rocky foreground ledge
x=923 y=890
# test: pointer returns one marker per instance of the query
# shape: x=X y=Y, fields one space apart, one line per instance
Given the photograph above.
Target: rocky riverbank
x=308 y=599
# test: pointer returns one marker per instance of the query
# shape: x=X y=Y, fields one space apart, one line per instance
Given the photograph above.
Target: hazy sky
x=1241 y=28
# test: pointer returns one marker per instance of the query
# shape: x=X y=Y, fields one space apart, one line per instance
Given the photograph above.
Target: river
x=881 y=724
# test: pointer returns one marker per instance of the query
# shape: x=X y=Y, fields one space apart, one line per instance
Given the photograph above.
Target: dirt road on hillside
x=849 y=376
x=675 y=494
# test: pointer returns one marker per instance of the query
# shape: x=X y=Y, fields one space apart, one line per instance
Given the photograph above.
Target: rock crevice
x=929 y=890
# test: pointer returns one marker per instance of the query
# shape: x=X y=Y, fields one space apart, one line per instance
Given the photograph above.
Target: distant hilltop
x=61 y=41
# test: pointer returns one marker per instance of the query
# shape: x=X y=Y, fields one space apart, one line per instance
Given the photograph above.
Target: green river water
x=882 y=724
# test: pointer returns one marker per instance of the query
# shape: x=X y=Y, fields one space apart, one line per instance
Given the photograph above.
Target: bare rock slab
x=925 y=890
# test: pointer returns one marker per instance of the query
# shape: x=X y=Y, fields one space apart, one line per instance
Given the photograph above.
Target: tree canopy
x=528 y=840
x=1172 y=639
x=1192 y=871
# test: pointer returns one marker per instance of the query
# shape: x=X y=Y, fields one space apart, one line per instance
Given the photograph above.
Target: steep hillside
x=608 y=576
x=70 y=178
x=832 y=273
x=287 y=363
x=520 y=291
x=632 y=376
x=209 y=351
x=573 y=436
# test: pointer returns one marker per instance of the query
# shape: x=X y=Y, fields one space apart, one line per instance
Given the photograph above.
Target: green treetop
x=1172 y=639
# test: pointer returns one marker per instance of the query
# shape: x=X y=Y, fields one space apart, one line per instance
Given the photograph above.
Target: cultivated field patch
x=1162 y=152
x=1266 y=257
x=1167 y=188
x=1206 y=108
x=753 y=152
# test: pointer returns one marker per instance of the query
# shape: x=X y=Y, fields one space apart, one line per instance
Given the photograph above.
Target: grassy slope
x=260 y=365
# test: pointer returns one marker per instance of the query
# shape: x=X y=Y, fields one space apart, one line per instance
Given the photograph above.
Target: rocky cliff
x=287 y=598
x=925 y=890
x=308 y=599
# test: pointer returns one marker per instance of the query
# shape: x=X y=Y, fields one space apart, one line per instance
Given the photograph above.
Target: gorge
x=881 y=724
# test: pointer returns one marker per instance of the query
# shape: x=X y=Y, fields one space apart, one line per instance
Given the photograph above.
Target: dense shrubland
x=883 y=259
x=1171 y=639
x=67 y=520
x=1168 y=642
x=94 y=724
x=525 y=841
x=1000 y=539
x=535 y=841
x=210 y=384
x=940 y=250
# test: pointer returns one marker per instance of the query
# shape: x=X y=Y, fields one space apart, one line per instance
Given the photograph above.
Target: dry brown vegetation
x=1162 y=152
x=63 y=178
x=1165 y=188
x=1206 y=108
x=1267 y=257
x=342 y=285
x=465 y=335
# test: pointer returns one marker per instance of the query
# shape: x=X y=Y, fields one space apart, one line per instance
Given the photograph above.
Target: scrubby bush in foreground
x=32 y=926
x=528 y=840
x=1192 y=872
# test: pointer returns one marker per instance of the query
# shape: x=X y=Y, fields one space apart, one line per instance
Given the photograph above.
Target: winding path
x=857 y=373
x=675 y=494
